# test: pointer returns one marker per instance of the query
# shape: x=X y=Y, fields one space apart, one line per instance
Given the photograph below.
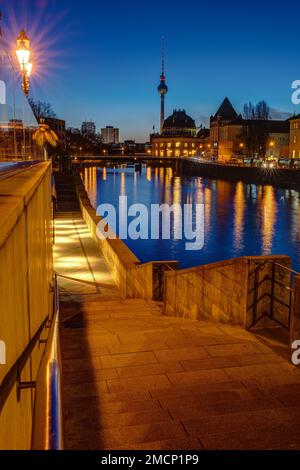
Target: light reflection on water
x=240 y=219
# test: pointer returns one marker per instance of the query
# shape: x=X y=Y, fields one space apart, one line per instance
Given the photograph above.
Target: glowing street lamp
x=23 y=54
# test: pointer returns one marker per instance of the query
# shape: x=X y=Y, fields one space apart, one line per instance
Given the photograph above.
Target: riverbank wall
x=280 y=177
x=287 y=178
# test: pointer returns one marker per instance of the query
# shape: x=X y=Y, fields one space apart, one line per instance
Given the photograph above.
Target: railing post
x=255 y=297
x=295 y=311
x=272 y=292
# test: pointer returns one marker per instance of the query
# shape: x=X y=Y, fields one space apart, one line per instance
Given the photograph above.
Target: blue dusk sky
x=101 y=60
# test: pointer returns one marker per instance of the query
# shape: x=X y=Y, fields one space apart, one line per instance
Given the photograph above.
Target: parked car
x=235 y=161
x=270 y=164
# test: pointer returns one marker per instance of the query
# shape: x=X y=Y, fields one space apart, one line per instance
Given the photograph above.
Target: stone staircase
x=67 y=200
x=136 y=379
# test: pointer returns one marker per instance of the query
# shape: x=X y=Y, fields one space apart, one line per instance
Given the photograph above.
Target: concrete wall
x=221 y=292
x=118 y=256
x=25 y=279
x=283 y=177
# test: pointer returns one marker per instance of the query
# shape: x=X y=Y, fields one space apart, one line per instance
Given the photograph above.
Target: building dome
x=179 y=123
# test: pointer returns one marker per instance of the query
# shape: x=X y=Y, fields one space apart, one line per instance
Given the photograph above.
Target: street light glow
x=23 y=55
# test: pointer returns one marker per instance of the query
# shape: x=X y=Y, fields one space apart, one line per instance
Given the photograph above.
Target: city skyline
x=109 y=70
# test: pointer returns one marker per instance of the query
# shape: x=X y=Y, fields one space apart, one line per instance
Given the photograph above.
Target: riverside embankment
x=279 y=177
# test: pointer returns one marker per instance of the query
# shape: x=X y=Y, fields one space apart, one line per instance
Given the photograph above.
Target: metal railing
x=13 y=376
x=159 y=270
x=47 y=421
x=288 y=273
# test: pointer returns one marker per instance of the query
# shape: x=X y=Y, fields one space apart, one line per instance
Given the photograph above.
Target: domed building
x=178 y=137
x=179 y=123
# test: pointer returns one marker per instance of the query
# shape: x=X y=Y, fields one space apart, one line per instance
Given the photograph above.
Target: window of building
x=295 y=139
x=185 y=144
x=178 y=144
x=169 y=144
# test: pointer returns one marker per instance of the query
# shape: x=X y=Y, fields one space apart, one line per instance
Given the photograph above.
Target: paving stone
x=181 y=390
x=83 y=363
x=270 y=381
x=137 y=347
x=200 y=377
x=281 y=389
x=210 y=363
x=254 y=371
x=242 y=421
x=232 y=349
x=275 y=438
x=187 y=342
x=258 y=359
x=84 y=389
x=223 y=407
x=159 y=334
x=139 y=383
x=126 y=436
x=119 y=420
x=171 y=444
x=122 y=360
x=81 y=353
x=100 y=405
x=93 y=375
x=174 y=401
x=180 y=354
x=144 y=433
x=151 y=369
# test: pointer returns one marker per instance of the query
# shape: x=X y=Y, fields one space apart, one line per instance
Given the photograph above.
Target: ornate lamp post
x=23 y=54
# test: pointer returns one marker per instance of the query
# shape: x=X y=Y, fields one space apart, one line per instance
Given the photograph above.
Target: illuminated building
x=233 y=136
x=178 y=137
x=294 y=150
x=110 y=135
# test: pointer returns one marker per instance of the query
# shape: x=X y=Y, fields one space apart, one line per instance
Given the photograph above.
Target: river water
x=239 y=219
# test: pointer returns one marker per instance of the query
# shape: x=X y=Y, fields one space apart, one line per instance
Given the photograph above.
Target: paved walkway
x=135 y=379
x=78 y=259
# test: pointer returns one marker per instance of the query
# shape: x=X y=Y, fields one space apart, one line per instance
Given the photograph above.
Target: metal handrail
x=13 y=375
x=82 y=281
x=272 y=296
x=48 y=422
x=284 y=267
